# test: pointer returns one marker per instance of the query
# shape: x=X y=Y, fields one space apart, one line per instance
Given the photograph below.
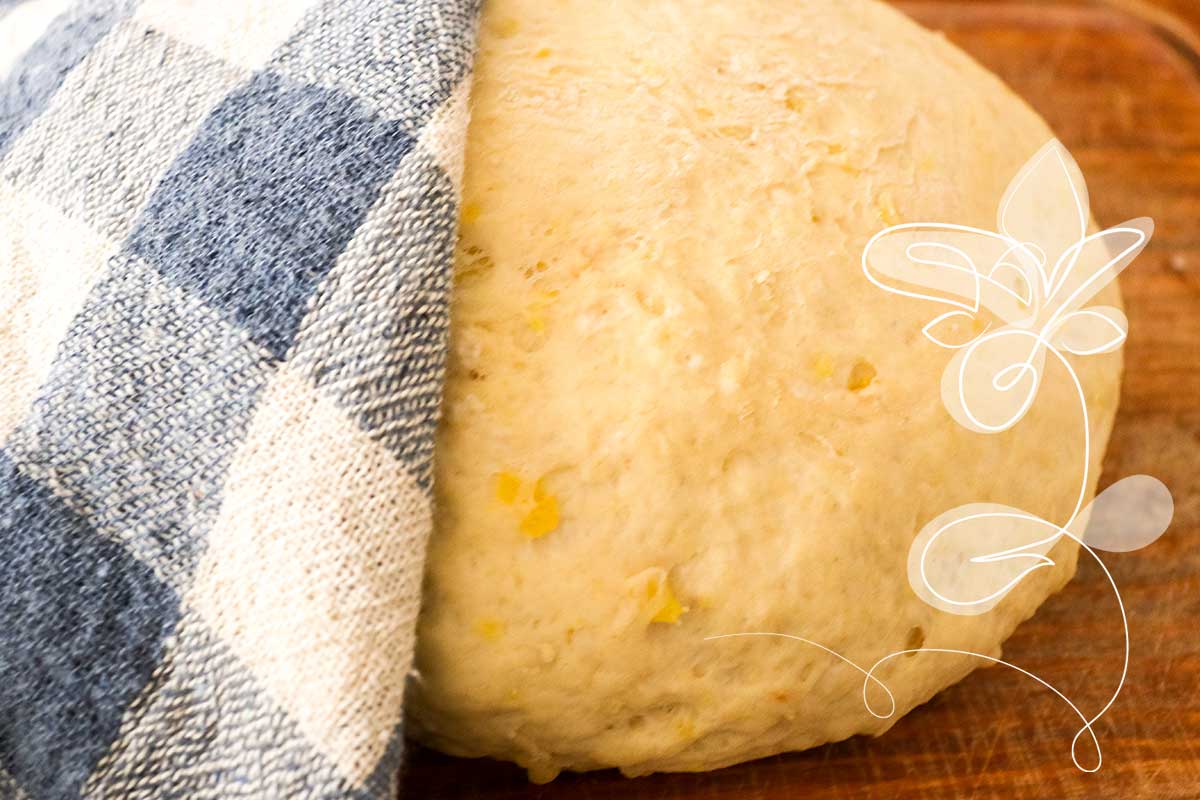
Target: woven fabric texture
x=225 y=242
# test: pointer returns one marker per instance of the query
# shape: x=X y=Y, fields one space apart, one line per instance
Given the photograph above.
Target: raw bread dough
x=675 y=406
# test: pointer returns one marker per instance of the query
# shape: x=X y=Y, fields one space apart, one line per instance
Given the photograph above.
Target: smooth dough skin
x=675 y=406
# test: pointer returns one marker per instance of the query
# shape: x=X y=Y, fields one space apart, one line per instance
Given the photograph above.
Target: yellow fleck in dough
x=503 y=27
x=667 y=157
x=886 y=205
x=861 y=376
x=507 y=487
x=470 y=213
x=541 y=519
x=669 y=608
x=795 y=99
x=537 y=323
x=490 y=629
x=823 y=366
x=535 y=507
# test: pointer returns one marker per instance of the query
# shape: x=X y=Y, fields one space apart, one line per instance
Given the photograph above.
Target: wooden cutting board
x=1120 y=83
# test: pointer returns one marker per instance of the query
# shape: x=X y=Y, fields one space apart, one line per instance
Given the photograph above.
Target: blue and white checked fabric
x=225 y=240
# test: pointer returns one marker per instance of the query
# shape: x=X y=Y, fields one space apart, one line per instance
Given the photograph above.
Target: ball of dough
x=676 y=408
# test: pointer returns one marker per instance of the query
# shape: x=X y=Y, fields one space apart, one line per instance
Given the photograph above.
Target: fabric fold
x=226 y=236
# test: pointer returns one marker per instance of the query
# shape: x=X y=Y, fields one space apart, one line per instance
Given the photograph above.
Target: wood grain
x=1120 y=83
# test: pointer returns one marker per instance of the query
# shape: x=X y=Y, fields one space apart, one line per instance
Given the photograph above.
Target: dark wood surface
x=1120 y=83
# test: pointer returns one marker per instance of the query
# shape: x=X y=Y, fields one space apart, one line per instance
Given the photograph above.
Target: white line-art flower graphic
x=1034 y=275
x=1033 y=278
x=1023 y=292
x=1024 y=289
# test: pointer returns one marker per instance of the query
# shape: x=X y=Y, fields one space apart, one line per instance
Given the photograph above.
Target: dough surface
x=677 y=409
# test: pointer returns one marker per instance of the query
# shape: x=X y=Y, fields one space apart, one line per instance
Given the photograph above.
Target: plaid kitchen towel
x=225 y=237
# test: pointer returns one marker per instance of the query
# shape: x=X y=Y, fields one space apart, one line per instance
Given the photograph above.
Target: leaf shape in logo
x=1096 y=329
x=1128 y=515
x=966 y=560
x=965 y=268
x=1093 y=262
x=1046 y=205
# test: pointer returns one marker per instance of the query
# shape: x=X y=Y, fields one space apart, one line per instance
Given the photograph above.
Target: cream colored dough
x=675 y=406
